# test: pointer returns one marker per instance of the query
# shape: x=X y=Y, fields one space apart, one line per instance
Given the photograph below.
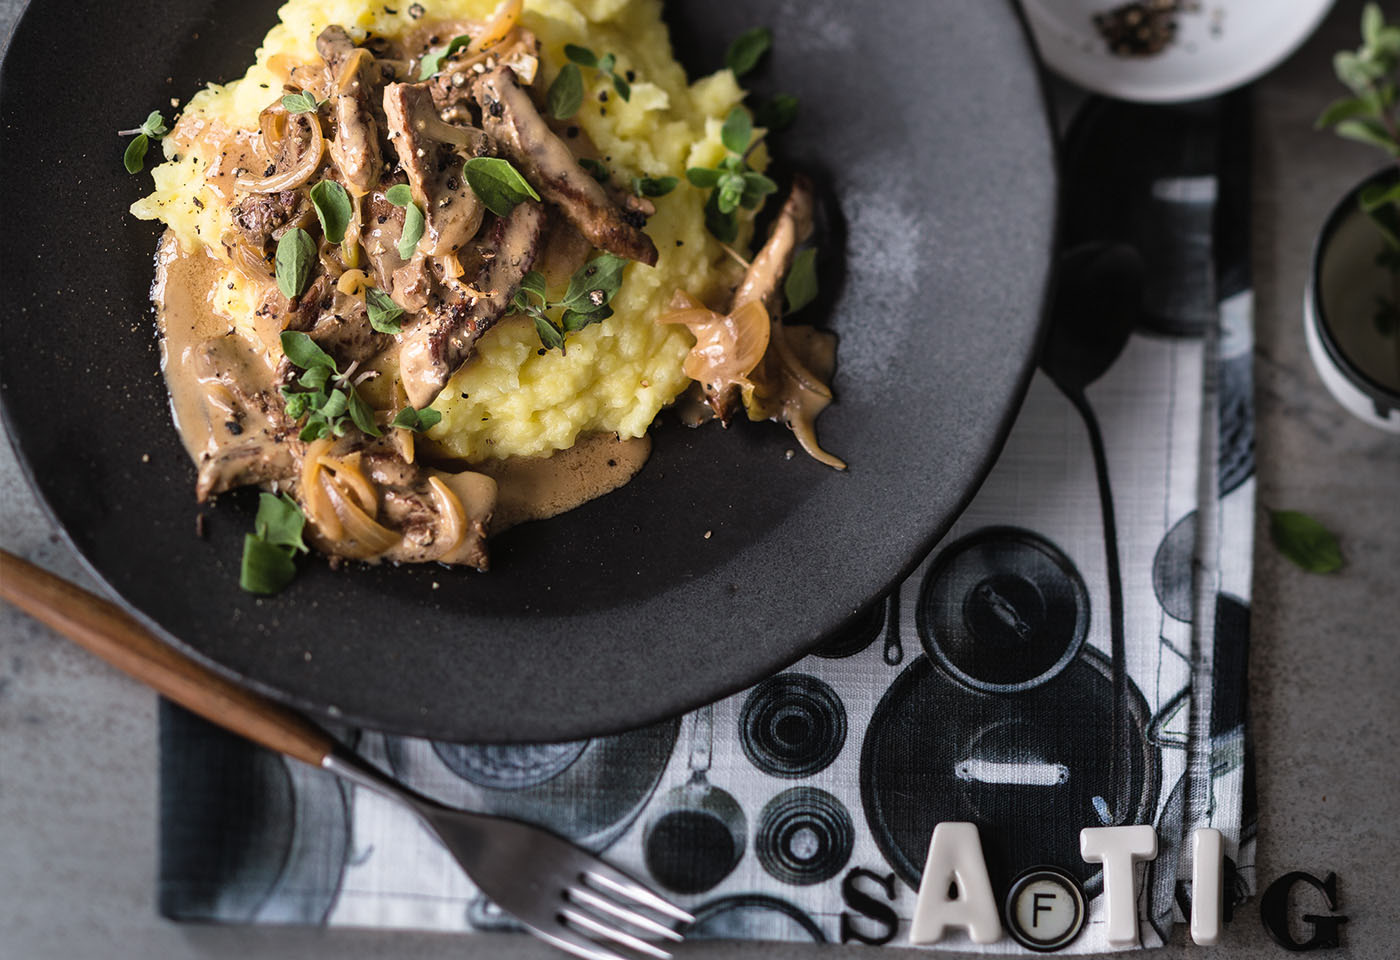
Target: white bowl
x=1219 y=46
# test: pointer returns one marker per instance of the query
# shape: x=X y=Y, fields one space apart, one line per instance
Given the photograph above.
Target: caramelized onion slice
x=727 y=348
x=364 y=539
x=499 y=25
x=318 y=508
x=454 y=518
x=298 y=173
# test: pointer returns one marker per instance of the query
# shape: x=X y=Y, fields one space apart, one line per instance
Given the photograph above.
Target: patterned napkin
x=1071 y=654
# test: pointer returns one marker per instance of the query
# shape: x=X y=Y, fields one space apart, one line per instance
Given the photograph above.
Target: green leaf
x=134 y=159
x=303 y=351
x=737 y=131
x=413 y=226
x=654 y=186
x=573 y=320
x=267 y=568
x=1368 y=130
x=383 y=312
x=432 y=62
x=730 y=192
x=280 y=522
x=595 y=168
x=1356 y=71
x=594 y=284
x=1343 y=109
x=580 y=55
x=417 y=420
x=1372 y=21
x=777 y=114
x=1376 y=195
x=336 y=404
x=315 y=378
x=154 y=125
x=566 y=93
x=304 y=102
x=703 y=177
x=1305 y=541
x=747 y=49
x=607 y=62
x=400 y=195
x=550 y=335
x=498 y=184
x=756 y=187
x=723 y=226
x=316 y=429
x=296 y=261
x=333 y=209
x=801 y=284
x=623 y=88
x=533 y=283
x=363 y=415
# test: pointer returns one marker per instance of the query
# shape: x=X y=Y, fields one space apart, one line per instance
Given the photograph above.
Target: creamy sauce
x=205 y=410
x=528 y=488
x=536 y=488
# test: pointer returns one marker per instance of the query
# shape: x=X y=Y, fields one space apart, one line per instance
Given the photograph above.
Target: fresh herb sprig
x=654 y=186
x=384 y=314
x=401 y=195
x=1371 y=115
x=323 y=395
x=268 y=551
x=296 y=261
x=777 y=114
x=565 y=95
x=800 y=287
x=1305 y=541
x=747 y=49
x=333 y=208
x=586 y=301
x=499 y=186
x=303 y=102
x=432 y=61
x=732 y=184
x=134 y=159
x=417 y=420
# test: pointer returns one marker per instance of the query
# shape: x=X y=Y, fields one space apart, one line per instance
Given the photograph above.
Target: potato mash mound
x=513 y=398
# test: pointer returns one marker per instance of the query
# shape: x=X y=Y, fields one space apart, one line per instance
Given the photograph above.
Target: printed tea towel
x=1071 y=654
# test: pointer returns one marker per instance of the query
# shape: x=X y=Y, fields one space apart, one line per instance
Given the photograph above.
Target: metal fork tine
x=612 y=933
x=571 y=941
x=639 y=920
x=621 y=884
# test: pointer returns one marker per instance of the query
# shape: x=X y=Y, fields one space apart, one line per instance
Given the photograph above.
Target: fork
x=559 y=892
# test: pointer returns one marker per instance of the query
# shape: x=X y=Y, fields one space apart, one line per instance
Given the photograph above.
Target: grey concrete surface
x=77 y=741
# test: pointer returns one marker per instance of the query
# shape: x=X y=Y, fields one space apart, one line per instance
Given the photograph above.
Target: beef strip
x=510 y=117
x=431 y=153
x=250 y=438
x=354 y=77
x=409 y=506
x=260 y=219
x=380 y=237
x=441 y=340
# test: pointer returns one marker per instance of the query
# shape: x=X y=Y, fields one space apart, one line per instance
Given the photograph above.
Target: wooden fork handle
x=105 y=629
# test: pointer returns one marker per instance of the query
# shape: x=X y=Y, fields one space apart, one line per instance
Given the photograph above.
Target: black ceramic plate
x=724 y=560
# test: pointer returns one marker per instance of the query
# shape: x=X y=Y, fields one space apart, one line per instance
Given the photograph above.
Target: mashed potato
x=512 y=398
